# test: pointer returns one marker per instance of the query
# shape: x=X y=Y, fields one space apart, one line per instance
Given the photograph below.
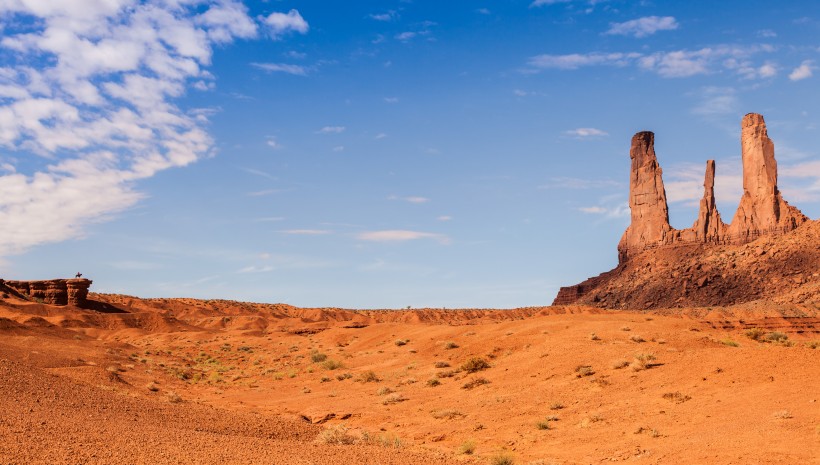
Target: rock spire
x=647 y=198
x=762 y=209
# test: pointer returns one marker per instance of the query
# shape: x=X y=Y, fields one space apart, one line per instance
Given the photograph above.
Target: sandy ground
x=187 y=381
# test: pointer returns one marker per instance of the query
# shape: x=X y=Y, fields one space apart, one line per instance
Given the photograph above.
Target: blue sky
x=377 y=154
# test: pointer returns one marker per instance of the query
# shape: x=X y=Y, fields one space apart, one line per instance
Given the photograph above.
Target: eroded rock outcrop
x=647 y=198
x=762 y=209
x=762 y=213
x=54 y=291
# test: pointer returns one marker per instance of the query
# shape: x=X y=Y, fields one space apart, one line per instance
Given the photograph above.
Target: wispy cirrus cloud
x=643 y=27
x=331 y=130
x=306 y=232
x=584 y=133
x=410 y=199
x=667 y=64
x=296 y=70
x=400 y=235
x=389 y=15
x=93 y=90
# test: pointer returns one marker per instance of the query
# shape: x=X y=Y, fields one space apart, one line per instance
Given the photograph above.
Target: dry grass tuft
x=394 y=398
x=467 y=447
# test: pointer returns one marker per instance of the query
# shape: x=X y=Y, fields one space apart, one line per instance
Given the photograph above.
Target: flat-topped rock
x=54 y=291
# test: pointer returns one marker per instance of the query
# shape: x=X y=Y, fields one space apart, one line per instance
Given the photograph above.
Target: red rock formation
x=647 y=198
x=708 y=227
x=762 y=209
x=54 y=291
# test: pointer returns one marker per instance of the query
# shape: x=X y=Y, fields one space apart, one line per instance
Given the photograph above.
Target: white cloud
x=537 y=3
x=397 y=235
x=405 y=36
x=380 y=135
x=296 y=70
x=577 y=60
x=391 y=100
x=673 y=64
x=273 y=143
x=767 y=70
x=483 y=11
x=410 y=199
x=586 y=132
x=94 y=93
x=282 y=23
x=803 y=71
x=766 y=33
x=618 y=210
x=580 y=183
x=643 y=27
x=388 y=16
x=717 y=101
x=306 y=232
x=444 y=218
x=339 y=148
x=331 y=130
x=256 y=269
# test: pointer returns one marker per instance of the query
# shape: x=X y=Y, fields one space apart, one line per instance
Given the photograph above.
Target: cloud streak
x=400 y=235
x=643 y=27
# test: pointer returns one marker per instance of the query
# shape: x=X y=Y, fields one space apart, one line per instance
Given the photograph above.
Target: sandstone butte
x=52 y=291
x=762 y=213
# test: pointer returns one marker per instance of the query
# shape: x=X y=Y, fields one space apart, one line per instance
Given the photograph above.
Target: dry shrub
x=401 y=342
x=331 y=364
x=467 y=447
x=594 y=337
x=618 y=364
x=475 y=364
x=783 y=414
x=450 y=345
x=475 y=383
x=636 y=338
x=433 y=382
x=442 y=364
x=502 y=458
x=173 y=397
x=317 y=357
x=369 y=376
x=755 y=334
x=394 y=398
x=676 y=397
x=556 y=406
x=584 y=370
x=446 y=374
x=643 y=361
x=339 y=434
x=446 y=414
x=384 y=390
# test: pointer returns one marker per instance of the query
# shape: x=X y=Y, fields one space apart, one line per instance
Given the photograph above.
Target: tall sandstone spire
x=762 y=209
x=708 y=227
x=647 y=198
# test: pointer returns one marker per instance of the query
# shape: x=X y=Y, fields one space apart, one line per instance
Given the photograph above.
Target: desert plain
x=216 y=381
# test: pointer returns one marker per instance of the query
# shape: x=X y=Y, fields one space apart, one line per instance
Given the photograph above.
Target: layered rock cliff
x=762 y=212
x=53 y=291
